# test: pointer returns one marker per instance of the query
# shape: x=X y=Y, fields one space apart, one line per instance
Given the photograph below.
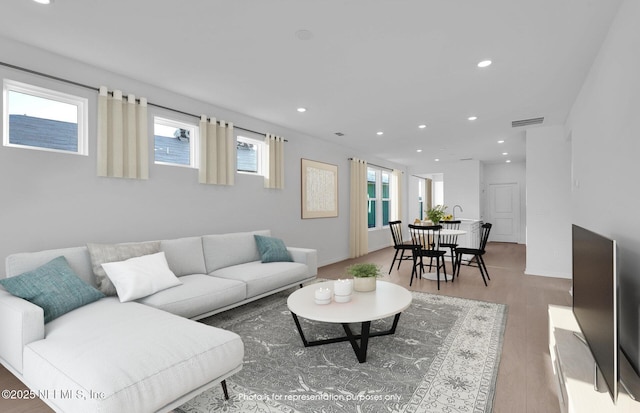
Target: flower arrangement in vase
x=436 y=214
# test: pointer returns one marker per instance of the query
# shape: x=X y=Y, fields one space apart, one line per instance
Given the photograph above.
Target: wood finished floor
x=525 y=379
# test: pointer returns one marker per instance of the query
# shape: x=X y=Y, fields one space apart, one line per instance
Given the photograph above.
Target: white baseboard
x=546 y=273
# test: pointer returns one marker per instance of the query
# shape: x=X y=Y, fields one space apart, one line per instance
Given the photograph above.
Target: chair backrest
x=427 y=236
x=396 y=232
x=484 y=235
x=449 y=239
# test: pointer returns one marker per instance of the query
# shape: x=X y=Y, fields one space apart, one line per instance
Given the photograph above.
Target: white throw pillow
x=140 y=276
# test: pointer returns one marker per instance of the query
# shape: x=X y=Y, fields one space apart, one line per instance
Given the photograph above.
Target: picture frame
x=319 y=189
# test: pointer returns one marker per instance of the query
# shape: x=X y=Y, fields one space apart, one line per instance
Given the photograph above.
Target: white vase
x=364 y=284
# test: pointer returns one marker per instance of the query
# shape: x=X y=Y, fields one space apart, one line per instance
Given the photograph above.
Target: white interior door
x=504 y=210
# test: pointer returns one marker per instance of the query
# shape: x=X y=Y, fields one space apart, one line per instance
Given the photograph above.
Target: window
x=421 y=205
x=372 y=178
x=438 y=192
x=44 y=119
x=175 y=143
x=250 y=155
x=379 y=193
x=386 y=200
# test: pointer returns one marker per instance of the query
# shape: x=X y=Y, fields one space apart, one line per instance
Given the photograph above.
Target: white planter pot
x=364 y=284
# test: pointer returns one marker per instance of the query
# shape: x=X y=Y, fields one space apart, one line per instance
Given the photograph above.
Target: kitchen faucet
x=454 y=210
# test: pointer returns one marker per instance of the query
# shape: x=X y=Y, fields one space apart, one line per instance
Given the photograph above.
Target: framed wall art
x=319 y=189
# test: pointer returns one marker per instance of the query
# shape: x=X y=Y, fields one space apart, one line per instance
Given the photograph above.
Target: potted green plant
x=436 y=213
x=364 y=276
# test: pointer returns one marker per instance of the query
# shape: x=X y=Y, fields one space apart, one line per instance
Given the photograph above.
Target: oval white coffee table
x=387 y=300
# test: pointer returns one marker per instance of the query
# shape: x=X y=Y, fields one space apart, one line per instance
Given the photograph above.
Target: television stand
x=573 y=368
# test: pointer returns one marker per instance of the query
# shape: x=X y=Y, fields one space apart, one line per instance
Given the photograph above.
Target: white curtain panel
x=275 y=171
x=428 y=184
x=358 y=228
x=217 y=152
x=123 y=143
x=396 y=195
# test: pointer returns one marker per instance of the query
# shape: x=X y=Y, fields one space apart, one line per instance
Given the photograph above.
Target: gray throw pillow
x=103 y=253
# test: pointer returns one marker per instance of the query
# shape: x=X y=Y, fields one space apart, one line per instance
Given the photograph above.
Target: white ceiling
x=371 y=65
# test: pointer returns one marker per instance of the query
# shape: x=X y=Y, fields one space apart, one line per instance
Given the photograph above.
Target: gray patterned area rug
x=443 y=357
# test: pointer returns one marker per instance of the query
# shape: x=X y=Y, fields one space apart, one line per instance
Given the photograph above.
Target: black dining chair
x=426 y=240
x=398 y=243
x=477 y=254
x=450 y=241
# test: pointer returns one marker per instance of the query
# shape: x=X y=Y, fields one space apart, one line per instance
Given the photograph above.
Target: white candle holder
x=342 y=290
x=322 y=296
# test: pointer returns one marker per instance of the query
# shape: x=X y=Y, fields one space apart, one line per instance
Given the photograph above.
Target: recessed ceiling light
x=419 y=150
x=380 y=133
x=422 y=126
x=437 y=160
x=508 y=161
x=484 y=63
x=505 y=153
x=44 y=1
x=500 y=141
x=472 y=117
x=301 y=110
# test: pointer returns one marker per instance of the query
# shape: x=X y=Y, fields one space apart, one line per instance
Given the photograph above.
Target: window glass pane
x=371 y=216
x=385 y=184
x=438 y=193
x=371 y=190
x=385 y=212
x=371 y=183
x=41 y=122
x=247 y=154
x=173 y=141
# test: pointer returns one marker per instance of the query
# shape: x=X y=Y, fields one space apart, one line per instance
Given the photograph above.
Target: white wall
x=461 y=186
x=505 y=173
x=606 y=160
x=52 y=200
x=548 y=202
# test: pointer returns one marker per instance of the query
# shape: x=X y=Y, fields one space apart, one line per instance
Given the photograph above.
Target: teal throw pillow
x=272 y=249
x=54 y=286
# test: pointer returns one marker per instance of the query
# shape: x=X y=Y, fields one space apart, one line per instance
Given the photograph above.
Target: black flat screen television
x=595 y=301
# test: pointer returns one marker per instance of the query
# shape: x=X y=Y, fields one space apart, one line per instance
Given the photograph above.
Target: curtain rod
x=378 y=166
x=71 y=82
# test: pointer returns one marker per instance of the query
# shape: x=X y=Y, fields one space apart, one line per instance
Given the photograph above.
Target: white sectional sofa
x=148 y=355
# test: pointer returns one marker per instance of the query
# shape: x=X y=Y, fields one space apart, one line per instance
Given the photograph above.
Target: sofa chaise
x=147 y=354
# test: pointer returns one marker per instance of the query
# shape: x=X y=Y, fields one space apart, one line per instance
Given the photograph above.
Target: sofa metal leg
x=224 y=389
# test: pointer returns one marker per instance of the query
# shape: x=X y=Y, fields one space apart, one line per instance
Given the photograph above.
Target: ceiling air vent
x=526 y=122
x=339 y=133
x=466 y=159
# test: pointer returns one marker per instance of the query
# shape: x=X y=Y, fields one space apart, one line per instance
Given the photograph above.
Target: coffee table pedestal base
x=359 y=348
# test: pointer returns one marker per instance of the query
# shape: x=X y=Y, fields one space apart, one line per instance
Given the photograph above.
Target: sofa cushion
x=199 y=294
x=224 y=250
x=272 y=249
x=77 y=258
x=54 y=287
x=101 y=253
x=184 y=255
x=262 y=278
x=140 y=276
x=127 y=357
